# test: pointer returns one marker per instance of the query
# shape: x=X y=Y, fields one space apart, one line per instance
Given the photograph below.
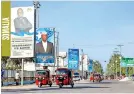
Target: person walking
x=2 y=76
x=17 y=77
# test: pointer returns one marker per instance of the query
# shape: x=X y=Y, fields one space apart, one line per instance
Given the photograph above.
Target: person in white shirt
x=17 y=77
x=44 y=46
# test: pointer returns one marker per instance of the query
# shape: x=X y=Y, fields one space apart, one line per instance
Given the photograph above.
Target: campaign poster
x=73 y=59
x=44 y=47
x=22 y=32
x=90 y=66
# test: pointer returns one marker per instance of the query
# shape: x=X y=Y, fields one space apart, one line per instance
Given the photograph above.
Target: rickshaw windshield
x=41 y=72
x=61 y=72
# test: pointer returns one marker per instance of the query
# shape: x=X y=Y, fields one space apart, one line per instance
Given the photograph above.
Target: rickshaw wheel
x=60 y=85
x=72 y=85
x=39 y=86
x=50 y=85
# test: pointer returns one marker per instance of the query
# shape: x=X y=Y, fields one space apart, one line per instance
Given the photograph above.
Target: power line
x=128 y=43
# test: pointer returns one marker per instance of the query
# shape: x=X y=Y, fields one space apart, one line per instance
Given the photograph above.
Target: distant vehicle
x=132 y=77
x=76 y=77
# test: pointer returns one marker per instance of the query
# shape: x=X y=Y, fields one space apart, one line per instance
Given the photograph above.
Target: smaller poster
x=73 y=59
x=90 y=66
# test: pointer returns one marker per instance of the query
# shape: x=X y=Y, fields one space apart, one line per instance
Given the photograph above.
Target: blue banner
x=73 y=59
x=45 y=46
x=90 y=66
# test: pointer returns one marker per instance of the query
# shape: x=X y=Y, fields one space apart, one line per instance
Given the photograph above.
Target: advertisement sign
x=127 y=62
x=85 y=62
x=45 y=46
x=73 y=59
x=90 y=66
x=5 y=28
x=17 y=31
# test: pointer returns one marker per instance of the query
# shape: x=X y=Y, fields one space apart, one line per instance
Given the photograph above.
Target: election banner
x=22 y=32
x=90 y=66
x=17 y=30
x=127 y=62
x=44 y=47
x=73 y=59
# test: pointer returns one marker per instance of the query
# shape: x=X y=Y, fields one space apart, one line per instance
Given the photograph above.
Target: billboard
x=73 y=59
x=85 y=62
x=17 y=31
x=90 y=66
x=44 y=47
x=127 y=62
x=5 y=28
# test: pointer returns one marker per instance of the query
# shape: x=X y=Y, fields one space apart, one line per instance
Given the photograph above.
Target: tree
x=114 y=63
x=97 y=67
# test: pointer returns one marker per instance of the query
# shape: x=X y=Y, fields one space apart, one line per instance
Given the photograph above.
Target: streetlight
x=82 y=58
x=116 y=68
x=120 y=46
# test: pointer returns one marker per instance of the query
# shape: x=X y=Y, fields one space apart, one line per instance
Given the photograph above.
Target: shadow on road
x=97 y=83
x=51 y=88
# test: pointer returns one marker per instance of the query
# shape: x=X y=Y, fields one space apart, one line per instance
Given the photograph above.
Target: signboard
x=73 y=59
x=22 y=32
x=45 y=46
x=90 y=66
x=17 y=30
x=127 y=62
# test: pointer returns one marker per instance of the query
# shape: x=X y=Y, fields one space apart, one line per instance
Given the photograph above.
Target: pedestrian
x=2 y=76
x=17 y=77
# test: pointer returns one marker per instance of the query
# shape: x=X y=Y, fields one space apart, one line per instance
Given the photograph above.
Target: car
x=132 y=77
x=76 y=78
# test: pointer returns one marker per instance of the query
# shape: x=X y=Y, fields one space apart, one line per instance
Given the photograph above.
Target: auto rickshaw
x=43 y=78
x=64 y=77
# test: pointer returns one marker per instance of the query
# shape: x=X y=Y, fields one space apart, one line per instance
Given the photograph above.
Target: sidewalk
x=18 y=87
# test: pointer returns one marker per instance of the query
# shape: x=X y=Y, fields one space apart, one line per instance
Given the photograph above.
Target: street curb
x=13 y=83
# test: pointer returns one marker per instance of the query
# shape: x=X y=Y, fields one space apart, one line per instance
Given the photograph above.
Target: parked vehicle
x=76 y=77
x=43 y=78
x=64 y=77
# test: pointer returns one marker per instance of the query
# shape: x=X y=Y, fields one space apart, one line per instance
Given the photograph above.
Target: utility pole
x=116 y=60
x=120 y=46
x=36 y=7
x=82 y=57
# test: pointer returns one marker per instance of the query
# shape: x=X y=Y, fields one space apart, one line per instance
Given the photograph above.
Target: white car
x=76 y=78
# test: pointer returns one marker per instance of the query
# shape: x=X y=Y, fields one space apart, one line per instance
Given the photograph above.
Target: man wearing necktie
x=21 y=23
x=44 y=46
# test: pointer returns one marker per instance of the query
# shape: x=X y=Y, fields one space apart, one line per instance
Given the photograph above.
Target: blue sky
x=95 y=27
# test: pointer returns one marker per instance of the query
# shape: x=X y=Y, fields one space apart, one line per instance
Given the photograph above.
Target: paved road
x=82 y=87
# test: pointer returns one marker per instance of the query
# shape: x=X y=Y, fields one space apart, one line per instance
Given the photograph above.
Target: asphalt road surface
x=81 y=87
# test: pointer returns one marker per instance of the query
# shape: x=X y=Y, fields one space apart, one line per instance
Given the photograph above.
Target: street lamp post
x=120 y=56
x=116 y=60
x=82 y=57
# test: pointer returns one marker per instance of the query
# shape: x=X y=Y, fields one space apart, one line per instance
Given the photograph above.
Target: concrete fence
x=9 y=77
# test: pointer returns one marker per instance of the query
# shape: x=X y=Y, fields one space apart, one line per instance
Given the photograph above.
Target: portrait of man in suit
x=44 y=46
x=21 y=23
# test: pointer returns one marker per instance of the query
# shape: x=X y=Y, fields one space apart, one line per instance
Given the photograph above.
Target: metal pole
x=120 y=56
x=116 y=60
x=22 y=72
x=55 y=58
x=82 y=61
x=57 y=48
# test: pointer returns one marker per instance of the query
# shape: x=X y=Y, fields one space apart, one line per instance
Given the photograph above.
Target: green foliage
x=97 y=67
x=13 y=64
x=114 y=63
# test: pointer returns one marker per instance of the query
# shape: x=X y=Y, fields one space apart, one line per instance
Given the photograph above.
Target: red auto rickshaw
x=64 y=77
x=43 y=78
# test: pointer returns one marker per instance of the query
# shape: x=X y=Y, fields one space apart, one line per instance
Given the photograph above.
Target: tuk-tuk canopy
x=62 y=71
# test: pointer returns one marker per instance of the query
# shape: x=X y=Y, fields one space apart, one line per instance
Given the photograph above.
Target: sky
x=95 y=27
